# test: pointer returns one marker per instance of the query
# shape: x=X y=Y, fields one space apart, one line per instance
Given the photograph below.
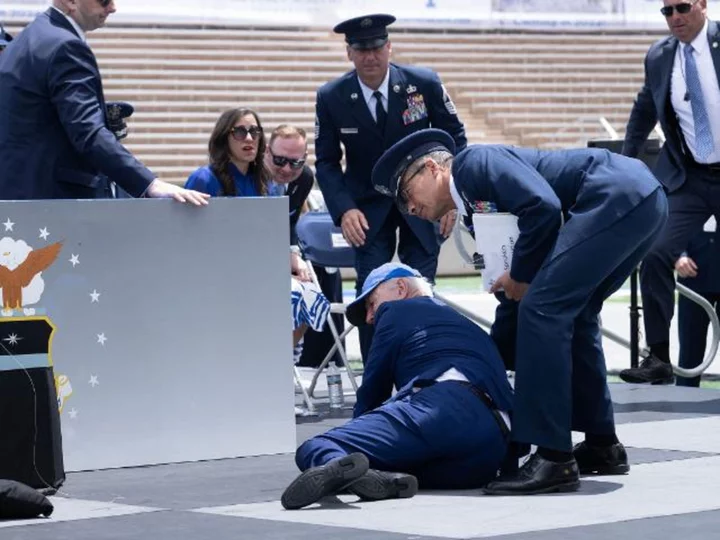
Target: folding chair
x=322 y=243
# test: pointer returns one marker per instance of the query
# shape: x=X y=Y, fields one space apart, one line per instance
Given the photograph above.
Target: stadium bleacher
x=545 y=90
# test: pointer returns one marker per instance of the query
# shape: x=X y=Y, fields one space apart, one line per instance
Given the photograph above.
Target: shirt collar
x=75 y=25
x=383 y=88
x=457 y=199
x=700 y=43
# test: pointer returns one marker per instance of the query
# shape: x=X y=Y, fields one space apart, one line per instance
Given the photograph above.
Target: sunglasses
x=682 y=9
x=240 y=133
x=281 y=161
x=403 y=195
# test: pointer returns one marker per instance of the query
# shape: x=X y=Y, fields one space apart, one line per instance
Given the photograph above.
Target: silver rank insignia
x=396 y=88
x=353 y=96
x=449 y=105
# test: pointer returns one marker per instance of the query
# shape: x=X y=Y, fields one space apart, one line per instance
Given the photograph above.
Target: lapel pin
x=396 y=88
x=410 y=89
x=353 y=96
x=715 y=45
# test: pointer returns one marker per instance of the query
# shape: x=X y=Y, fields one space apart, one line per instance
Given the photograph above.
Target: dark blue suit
x=54 y=139
x=444 y=434
x=693 y=322
x=613 y=209
x=343 y=117
x=694 y=193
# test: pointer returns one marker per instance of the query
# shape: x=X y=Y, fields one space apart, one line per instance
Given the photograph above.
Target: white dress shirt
x=710 y=90
x=370 y=98
x=457 y=199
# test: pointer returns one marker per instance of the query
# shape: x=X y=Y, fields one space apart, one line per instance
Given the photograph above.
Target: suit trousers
x=690 y=207
x=443 y=434
x=693 y=325
x=382 y=250
x=560 y=377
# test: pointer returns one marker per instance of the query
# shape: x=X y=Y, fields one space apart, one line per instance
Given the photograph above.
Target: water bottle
x=335 y=389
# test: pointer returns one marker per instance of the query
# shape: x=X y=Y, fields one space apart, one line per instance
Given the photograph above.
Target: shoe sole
x=637 y=380
x=319 y=482
x=372 y=487
x=559 y=488
x=606 y=471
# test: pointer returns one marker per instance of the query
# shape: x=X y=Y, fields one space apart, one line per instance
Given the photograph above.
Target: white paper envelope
x=495 y=237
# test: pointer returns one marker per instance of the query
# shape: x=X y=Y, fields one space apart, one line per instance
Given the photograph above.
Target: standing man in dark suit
x=699 y=270
x=55 y=141
x=681 y=92
x=561 y=273
x=367 y=110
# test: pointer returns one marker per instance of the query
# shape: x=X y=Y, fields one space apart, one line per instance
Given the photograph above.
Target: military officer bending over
x=613 y=209
x=447 y=425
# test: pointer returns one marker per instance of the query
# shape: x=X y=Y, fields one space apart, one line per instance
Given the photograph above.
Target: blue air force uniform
x=693 y=321
x=413 y=99
x=436 y=427
x=586 y=219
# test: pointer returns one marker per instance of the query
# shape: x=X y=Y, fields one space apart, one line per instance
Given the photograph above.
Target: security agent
x=613 y=209
x=698 y=269
x=681 y=92
x=367 y=110
x=447 y=425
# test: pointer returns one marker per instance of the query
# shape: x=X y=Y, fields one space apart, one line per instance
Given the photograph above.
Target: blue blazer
x=54 y=139
x=590 y=188
x=653 y=105
x=418 y=340
x=342 y=115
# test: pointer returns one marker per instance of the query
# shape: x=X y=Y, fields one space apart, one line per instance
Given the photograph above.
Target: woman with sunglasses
x=236 y=150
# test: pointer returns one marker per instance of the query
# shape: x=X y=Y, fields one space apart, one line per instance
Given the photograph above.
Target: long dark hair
x=219 y=152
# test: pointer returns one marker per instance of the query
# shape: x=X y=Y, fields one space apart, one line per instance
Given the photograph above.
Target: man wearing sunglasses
x=681 y=93
x=55 y=137
x=613 y=209
x=367 y=110
x=285 y=158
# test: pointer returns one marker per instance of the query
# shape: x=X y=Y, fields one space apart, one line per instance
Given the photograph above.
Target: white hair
x=421 y=286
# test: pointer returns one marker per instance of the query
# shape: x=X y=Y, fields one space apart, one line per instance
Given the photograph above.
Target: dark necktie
x=380 y=114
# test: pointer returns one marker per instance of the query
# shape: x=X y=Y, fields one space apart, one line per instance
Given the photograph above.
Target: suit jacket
x=342 y=115
x=653 y=105
x=54 y=139
x=590 y=188
x=417 y=340
x=297 y=192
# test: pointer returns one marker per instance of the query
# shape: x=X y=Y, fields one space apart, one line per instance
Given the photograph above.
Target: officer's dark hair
x=219 y=153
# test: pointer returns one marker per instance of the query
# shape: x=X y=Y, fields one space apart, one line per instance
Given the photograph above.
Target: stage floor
x=672 y=491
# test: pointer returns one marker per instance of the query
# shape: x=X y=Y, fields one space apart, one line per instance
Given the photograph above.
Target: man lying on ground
x=447 y=425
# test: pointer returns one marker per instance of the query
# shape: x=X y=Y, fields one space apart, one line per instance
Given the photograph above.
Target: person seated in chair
x=445 y=428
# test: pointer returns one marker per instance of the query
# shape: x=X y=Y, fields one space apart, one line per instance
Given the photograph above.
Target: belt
x=708 y=168
x=488 y=401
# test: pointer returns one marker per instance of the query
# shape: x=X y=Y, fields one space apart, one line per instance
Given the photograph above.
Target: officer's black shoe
x=329 y=479
x=651 y=370
x=537 y=475
x=601 y=459
x=377 y=485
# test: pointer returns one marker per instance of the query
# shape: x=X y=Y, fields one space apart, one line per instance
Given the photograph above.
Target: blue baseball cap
x=366 y=32
x=391 y=166
x=356 y=311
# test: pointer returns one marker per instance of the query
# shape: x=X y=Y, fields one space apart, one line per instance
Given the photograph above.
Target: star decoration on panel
x=74 y=260
x=44 y=233
x=12 y=339
x=101 y=339
x=94 y=297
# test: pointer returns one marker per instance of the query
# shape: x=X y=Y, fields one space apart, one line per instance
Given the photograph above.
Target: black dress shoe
x=537 y=475
x=380 y=485
x=329 y=479
x=601 y=459
x=651 y=370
